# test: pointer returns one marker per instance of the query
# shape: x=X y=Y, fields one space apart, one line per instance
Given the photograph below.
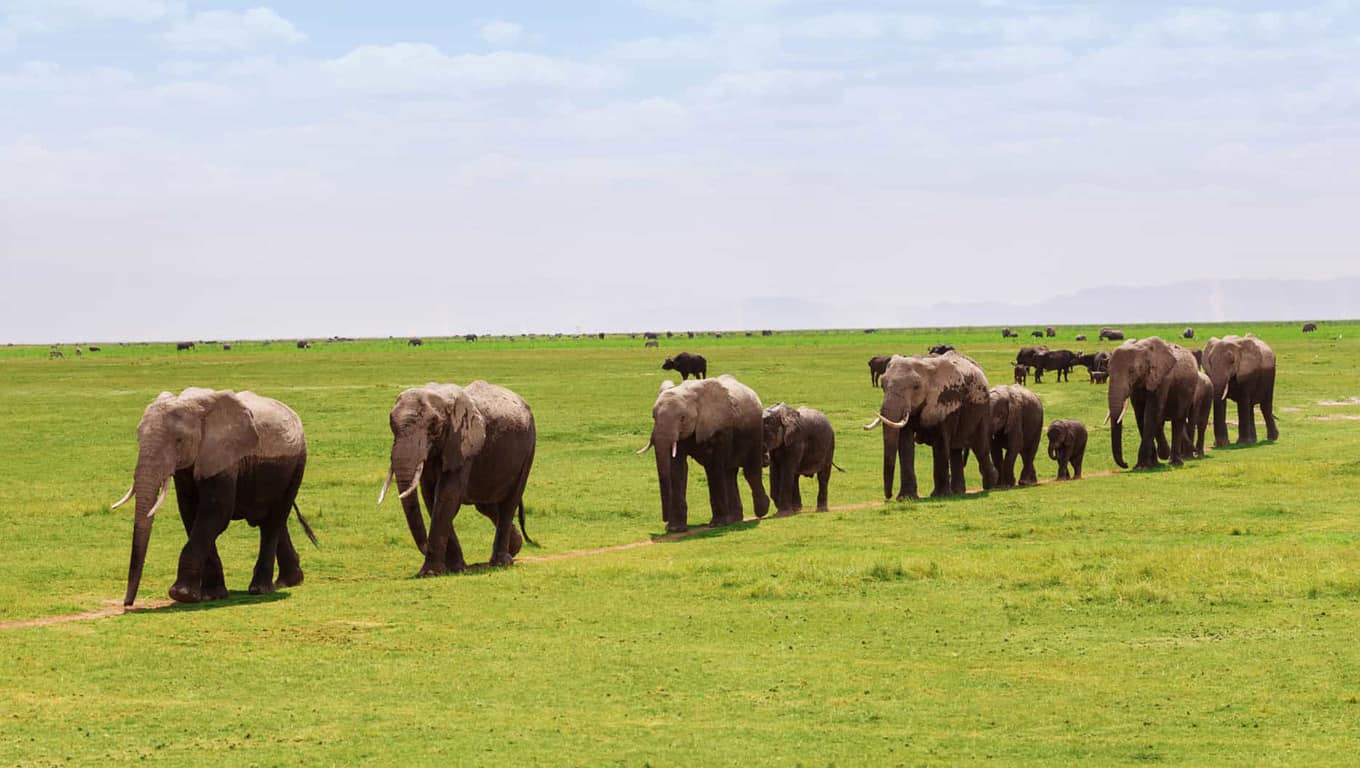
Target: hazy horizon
x=179 y=169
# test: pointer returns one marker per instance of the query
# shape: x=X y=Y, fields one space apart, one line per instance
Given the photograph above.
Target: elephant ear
x=229 y=435
x=716 y=410
x=793 y=423
x=466 y=431
x=1159 y=361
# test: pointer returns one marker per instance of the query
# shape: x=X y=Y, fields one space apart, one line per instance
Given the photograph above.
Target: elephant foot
x=262 y=589
x=288 y=580
x=181 y=593
x=516 y=542
x=823 y=508
x=1272 y=434
x=908 y=497
x=787 y=512
x=676 y=528
x=1028 y=482
x=1246 y=440
x=1221 y=443
x=1176 y=462
x=428 y=570
x=501 y=559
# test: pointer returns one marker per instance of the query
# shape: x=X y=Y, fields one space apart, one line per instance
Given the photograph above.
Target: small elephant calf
x=1067 y=445
x=800 y=443
x=1021 y=374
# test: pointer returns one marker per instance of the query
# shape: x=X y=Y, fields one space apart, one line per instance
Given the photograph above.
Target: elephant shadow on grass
x=709 y=532
x=234 y=599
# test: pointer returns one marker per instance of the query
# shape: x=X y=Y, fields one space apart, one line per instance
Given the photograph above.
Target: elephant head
x=1143 y=363
x=209 y=431
x=437 y=422
x=781 y=425
x=1227 y=359
x=688 y=414
x=1057 y=441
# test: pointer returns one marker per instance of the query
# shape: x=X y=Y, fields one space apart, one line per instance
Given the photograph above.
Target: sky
x=174 y=169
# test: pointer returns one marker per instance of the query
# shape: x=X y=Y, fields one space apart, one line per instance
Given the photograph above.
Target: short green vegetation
x=1204 y=615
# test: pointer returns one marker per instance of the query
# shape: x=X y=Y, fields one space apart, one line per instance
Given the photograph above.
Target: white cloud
x=1200 y=25
x=423 y=68
x=499 y=32
x=214 y=31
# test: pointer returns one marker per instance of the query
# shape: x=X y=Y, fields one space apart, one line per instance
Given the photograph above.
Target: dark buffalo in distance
x=1309 y=327
x=184 y=345
x=470 y=337
x=1188 y=333
x=601 y=335
x=1081 y=337
x=94 y=348
x=1095 y=362
x=226 y=347
x=304 y=344
x=651 y=343
x=414 y=342
x=871 y=330
x=670 y=335
x=940 y=349
x=1051 y=332
x=877 y=365
x=1060 y=360
x=1037 y=334
x=767 y=333
x=1007 y=333
x=1111 y=334
x=649 y=335
x=1030 y=357
x=687 y=364
x=689 y=334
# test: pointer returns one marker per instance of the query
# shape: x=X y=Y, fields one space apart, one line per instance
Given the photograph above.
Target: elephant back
x=503 y=409
x=279 y=427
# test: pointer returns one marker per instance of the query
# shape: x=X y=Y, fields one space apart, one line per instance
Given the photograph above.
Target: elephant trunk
x=1052 y=450
x=666 y=453
x=891 y=441
x=406 y=466
x=148 y=486
x=1117 y=395
x=1220 y=397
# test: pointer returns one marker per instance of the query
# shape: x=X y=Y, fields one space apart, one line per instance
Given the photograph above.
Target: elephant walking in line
x=233 y=456
x=1199 y=414
x=718 y=423
x=1241 y=368
x=941 y=401
x=1017 y=428
x=461 y=445
x=1160 y=380
x=1067 y=445
x=800 y=443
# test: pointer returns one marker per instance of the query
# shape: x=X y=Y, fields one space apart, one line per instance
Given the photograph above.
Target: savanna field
x=1202 y=615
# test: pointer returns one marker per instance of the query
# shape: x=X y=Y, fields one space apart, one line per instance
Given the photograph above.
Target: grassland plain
x=1205 y=615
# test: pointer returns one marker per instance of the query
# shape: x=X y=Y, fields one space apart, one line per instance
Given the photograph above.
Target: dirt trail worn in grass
x=116 y=608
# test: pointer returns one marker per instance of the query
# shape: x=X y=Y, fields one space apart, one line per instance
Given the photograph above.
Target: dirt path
x=115 y=607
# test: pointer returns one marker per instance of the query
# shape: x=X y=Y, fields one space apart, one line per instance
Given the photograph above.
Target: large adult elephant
x=941 y=401
x=1242 y=368
x=233 y=456
x=461 y=445
x=1017 y=427
x=1159 y=379
x=718 y=423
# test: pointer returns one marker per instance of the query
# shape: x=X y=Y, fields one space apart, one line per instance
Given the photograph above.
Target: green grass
x=1205 y=615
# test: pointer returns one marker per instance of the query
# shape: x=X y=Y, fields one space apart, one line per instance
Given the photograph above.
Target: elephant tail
x=837 y=466
x=521 y=524
x=306 y=528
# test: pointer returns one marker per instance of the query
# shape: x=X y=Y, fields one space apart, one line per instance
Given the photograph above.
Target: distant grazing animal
x=226 y=347
x=748 y=334
x=651 y=343
x=1021 y=374
x=690 y=334
x=304 y=344
x=1037 y=334
x=94 y=349
x=940 y=349
x=470 y=337
x=871 y=330
x=800 y=443
x=183 y=345
x=1007 y=333
x=717 y=335
x=670 y=335
x=1060 y=360
x=1094 y=362
x=1050 y=332
x=1111 y=334
x=877 y=365
x=601 y=335
x=1188 y=333
x=1067 y=445
x=649 y=335
x=1081 y=337
x=1100 y=377
x=767 y=333
x=53 y=354
x=1309 y=327
x=687 y=364
x=414 y=342
x=77 y=351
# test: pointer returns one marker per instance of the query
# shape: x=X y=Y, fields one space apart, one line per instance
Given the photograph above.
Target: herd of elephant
x=241 y=456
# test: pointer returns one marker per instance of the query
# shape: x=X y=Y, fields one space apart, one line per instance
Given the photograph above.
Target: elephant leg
x=999 y=460
x=679 y=521
x=940 y=457
x=906 y=454
x=1028 y=474
x=823 y=482
x=492 y=512
x=1076 y=466
x=735 y=514
x=443 y=551
x=1245 y=416
x=1062 y=466
x=957 y=485
x=290 y=565
x=716 y=493
x=760 y=502
x=212 y=582
x=1220 y=422
x=199 y=558
x=505 y=525
x=262 y=581
x=797 y=492
x=776 y=483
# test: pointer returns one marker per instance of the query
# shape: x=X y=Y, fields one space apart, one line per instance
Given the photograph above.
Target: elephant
x=941 y=401
x=233 y=456
x=1111 y=334
x=1067 y=445
x=1160 y=379
x=1309 y=327
x=877 y=365
x=1017 y=425
x=718 y=423
x=800 y=443
x=461 y=445
x=1032 y=357
x=1021 y=374
x=687 y=365
x=1241 y=368
x=1199 y=413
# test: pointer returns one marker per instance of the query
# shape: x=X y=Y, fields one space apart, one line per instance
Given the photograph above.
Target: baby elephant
x=1017 y=423
x=800 y=442
x=1021 y=374
x=1067 y=445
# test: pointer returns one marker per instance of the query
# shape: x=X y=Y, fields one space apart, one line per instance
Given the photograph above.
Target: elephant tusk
x=415 y=482
x=123 y=500
x=1122 y=411
x=674 y=448
x=159 y=498
x=1225 y=390
x=894 y=424
x=873 y=423
x=383 y=493
x=642 y=450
